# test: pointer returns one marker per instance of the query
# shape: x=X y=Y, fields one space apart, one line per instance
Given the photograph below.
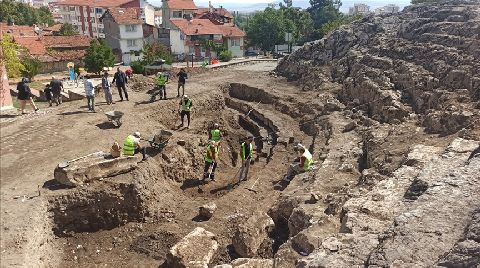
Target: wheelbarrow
x=115 y=117
x=160 y=139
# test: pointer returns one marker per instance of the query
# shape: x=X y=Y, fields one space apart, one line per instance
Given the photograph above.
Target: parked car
x=251 y=54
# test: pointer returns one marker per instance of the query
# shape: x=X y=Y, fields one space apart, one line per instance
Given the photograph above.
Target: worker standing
x=304 y=164
x=211 y=157
x=246 y=154
x=182 y=77
x=120 y=79
x=160 y=86
x=215 y=134
x=90 y=93
x=185 y=109
x=132 y=145
x=57 y=87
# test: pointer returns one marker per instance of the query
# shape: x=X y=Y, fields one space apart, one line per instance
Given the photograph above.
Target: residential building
x=388 y=9
x=359 y=9
x=158 y=18
x=55 y=51
x=177 y=9
x=85 y=15
x=124 y=33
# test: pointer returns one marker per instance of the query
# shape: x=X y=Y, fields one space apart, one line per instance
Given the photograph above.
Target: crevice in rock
x=416 y=189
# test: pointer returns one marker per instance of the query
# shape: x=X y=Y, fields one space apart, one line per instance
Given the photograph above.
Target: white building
x=124 y=33
x=177 y=9
x=359 y=9
x=84 y=15
x=388 y=9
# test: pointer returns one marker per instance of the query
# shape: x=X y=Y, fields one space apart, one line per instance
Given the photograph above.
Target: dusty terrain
x=393 y=136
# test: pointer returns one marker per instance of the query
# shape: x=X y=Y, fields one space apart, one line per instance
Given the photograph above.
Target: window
x=130 y=28
x=72 y=8
x=79 y=18
x=94 y=29
x=131 y=43
x=93 y=20
x=100 y=30
x=98 y=10
x=235 y=42
x=177 y=14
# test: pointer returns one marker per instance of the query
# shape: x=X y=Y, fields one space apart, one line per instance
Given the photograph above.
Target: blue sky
x=250 y=5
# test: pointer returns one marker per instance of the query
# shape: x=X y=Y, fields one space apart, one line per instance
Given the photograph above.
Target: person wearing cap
x=182 y=77
x=90 y=93
x=185 y=108
x=132 y=146
x=57 y=87
x=246 y=154
x=302 y=164
x=215 y=134
x=211 y=157
x=160 y=83
x=107 y=88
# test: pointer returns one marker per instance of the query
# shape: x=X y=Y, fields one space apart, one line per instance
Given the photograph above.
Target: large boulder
x=250 y=234
x=93 y=167
x=194 y=250
x=252 y=263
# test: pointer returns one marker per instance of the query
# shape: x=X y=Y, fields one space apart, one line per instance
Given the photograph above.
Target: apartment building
x=84 y=15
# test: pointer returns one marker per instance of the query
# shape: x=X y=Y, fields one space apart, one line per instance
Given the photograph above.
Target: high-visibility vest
x=211 y=156
x=161 y=81
x=186 y=105
x=243 y=151
x=129 y=146
x=215 y=133
x=308 y=160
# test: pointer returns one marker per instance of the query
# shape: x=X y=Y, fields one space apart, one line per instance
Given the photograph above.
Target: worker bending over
x=246 y=154
x=215 y=134
x=211 y=157
x=302 y=164
x=185 y=108
x=132 y=146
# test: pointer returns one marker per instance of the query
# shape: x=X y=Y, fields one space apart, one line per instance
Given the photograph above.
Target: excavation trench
x=96 y=208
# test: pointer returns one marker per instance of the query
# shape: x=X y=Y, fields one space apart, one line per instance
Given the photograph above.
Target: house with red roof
x=85 y=15
x=124 y=33
x=191 y=28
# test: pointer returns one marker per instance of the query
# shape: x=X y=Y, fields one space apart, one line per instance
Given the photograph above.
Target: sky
x=252 y=5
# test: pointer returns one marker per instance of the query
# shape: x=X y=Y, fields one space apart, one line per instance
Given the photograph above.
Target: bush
x=225 y=55
x=138 y=67
x=32 y=67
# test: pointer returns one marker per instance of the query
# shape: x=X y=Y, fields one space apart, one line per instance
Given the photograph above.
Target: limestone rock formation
x=250 y=234
x=424 y=60
x=194 y=250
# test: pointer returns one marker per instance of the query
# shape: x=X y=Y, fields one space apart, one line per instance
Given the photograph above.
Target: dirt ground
x=32 y=145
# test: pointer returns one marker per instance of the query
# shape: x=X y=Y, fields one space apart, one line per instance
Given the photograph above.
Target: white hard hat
x=216 y=125
x=136 y=134
x=212 y=142
x=185 y=96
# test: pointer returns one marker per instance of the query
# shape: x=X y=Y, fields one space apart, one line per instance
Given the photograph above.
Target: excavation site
x=388 y=106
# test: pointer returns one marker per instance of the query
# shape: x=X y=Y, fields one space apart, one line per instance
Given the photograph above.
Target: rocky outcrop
x=194 y=250
x=93 y=167
x=250 y=235
x=424 y=60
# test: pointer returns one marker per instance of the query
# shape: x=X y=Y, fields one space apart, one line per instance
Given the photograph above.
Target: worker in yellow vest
x=132 y=145
x=304 y=164
x=215 y=134
x=160 y=87
x=185 y=109
x=211 y=157
x=246 y=154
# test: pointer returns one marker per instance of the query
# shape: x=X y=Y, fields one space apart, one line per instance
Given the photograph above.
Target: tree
x=323 y=11
x=266 y=29
x=67 y=29
x=156 y=51
x=22 y=14
x=298 y=22
x=335 y=24
x=11 y=53
x=98 y=55
x=32 y=67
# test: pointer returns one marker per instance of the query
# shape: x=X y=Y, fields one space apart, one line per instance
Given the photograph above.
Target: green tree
x=22 y=14
x=298 y=21
x=335 y=24
x=267 y=28
x=156 y=51
x=11 y=58
x=67 y=29
x=32 y=67
x=98 y=55
x=323 y=11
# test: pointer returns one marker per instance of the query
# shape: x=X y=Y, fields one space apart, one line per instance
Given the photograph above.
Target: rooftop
x=196 y=26
x=73 y=47
x=231 y=30
x=17 y=30
x=181 y=4
x=220 y=11
x=93 y=3
x=124 y=15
